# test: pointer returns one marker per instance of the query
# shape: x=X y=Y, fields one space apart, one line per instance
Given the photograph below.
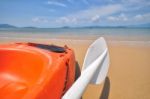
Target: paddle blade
x=93 y=52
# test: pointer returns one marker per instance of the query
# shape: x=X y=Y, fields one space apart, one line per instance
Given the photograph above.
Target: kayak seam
x=66 y=79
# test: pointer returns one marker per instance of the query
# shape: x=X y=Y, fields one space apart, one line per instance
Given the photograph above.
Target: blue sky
x=58 y=13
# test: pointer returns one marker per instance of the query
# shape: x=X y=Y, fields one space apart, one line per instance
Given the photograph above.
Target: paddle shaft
x=77 y=89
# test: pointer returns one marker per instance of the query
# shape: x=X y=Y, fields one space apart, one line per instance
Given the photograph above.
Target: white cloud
x=39 y=20
x=92 y=14
x=63 y=20
x=101 y=11
x=137 y=17
x=111 y=18
x=142 y=18
x=121 y=17
x=56 y=3
x=101 y=14
x=95 y=18
x=66 y=20
x=134 y=6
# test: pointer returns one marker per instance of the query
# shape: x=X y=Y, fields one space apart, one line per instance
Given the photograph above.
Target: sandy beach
x=128 y=76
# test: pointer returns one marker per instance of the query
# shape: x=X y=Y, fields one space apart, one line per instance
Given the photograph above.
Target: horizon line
x=90 y=26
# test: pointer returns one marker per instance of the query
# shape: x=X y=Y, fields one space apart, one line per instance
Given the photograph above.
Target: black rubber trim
x=52 y=48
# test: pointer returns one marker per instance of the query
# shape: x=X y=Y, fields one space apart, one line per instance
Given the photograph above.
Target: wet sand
x=129 y=72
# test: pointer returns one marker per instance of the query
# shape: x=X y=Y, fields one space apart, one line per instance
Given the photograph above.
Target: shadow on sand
x=106 y=89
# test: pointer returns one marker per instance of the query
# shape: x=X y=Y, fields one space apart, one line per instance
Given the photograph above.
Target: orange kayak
x=35 y=71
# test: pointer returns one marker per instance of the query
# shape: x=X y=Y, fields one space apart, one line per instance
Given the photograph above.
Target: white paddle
x=94 y=70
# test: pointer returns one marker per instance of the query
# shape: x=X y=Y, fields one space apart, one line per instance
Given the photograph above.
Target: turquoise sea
x=121 y=34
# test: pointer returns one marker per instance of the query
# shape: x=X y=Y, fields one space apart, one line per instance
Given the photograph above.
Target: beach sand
x=129 y=72
x=128 y=77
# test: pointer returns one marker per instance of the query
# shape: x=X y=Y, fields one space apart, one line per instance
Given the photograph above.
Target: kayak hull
x=35 y=71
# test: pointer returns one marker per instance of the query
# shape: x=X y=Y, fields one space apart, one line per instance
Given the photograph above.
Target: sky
x=75 y=13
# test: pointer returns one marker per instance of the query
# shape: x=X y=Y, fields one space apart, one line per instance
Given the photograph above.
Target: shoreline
x=73 y=40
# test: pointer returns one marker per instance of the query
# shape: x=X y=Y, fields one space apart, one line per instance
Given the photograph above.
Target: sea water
x=121 y=34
